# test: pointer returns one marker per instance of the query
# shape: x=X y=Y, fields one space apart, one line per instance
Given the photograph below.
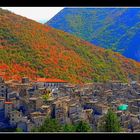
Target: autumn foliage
x=28 y=48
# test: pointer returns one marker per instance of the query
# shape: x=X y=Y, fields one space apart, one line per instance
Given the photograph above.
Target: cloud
x=40 y=14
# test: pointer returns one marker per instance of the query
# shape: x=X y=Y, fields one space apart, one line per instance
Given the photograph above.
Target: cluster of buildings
x=23 y=104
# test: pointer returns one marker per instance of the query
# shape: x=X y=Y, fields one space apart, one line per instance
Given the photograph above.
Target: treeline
x=109 y=123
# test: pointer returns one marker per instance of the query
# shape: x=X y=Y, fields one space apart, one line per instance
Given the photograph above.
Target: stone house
x=46 y=109
x=30 y=126
x=16 y=102
x=100 y=109
x=51 y=83
x=8 y=107
x=75 y=113
x=58 y=111
x=22 y=125
x=38 y=118
x=87 y=115
x=2 y=100
x=14 y=117
x=134 y=109
x=35 y=103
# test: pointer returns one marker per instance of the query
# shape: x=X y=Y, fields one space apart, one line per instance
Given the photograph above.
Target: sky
x=39 y=14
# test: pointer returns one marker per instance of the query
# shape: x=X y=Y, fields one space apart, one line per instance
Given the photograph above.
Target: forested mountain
x=113 y=28
x=28 y=48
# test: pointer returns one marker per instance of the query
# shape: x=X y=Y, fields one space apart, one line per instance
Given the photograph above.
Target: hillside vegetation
x=117 y=29
x=28 y=48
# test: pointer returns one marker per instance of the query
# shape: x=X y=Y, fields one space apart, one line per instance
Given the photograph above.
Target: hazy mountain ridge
x=113 y=28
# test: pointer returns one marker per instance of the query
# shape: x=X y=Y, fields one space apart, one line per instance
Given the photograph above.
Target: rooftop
x=32 y=98
x=88 y=110
x=14 y=111
x=44 y=106
x=35 y=113
x=70 y=86
x=8 y=102
x=51 y=80
x=2 y=99
x=72 y=105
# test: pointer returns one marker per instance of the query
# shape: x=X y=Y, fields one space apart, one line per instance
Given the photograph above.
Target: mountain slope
x=114 y=28
x=28 y=48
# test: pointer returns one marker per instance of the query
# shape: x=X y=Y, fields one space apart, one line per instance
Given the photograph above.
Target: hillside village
x=32 y=49
x=25 y=104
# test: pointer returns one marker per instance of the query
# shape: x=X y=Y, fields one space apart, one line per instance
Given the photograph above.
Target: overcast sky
x=40 y=14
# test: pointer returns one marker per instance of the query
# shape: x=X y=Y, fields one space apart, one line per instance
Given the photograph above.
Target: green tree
x=83 y=127
x=34 y=129
x=110 y=123
x=69 y=128
x=46 y=97
x=49 y=125
x=19 y=130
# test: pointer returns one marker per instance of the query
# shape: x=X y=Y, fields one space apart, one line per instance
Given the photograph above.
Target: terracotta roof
x=50 y=80
x=8 y=102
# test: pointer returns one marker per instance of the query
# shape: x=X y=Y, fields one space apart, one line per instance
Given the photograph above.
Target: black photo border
x=69 y=3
